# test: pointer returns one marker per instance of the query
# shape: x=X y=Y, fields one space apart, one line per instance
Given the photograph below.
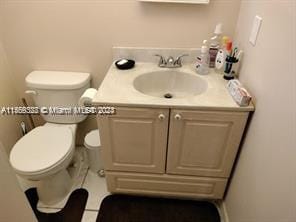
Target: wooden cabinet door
x=134 y=139
x=204 y=143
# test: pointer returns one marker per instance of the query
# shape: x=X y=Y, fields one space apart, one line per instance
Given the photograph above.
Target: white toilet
x=45 y=153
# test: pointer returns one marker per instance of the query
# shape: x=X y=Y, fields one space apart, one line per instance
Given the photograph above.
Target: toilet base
x=53 y=189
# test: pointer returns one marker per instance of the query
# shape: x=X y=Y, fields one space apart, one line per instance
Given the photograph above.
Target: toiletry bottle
x=203 y=60
x=221 y=56
x=213 y=51
x=215 y=45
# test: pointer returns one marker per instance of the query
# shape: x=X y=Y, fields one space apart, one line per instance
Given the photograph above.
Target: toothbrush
x=239 y=54
x=234 y=52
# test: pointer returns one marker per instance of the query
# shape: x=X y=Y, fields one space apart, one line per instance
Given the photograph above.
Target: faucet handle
x=178 y=60
x=162 y=62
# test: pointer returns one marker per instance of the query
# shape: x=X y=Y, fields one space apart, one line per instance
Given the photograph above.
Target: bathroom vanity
x=184 y=146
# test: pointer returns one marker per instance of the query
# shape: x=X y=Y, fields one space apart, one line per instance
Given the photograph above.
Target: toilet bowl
x=44 y=154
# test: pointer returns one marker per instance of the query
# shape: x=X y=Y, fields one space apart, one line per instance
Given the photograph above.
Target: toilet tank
x=58 y=89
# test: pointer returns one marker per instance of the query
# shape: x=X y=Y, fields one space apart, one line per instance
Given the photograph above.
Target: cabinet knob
x=178 y=117
x=161 y=116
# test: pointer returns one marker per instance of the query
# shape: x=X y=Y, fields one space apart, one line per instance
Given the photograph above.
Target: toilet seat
x=41 y=150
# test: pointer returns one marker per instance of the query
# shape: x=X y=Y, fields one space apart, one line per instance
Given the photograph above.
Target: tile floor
x=97 y=190
x=95 y=185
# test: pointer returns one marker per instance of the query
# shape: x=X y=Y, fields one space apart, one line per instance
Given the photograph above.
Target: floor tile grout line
x=82 y=184
x=83 y=181
x=91 y=210
x=84 y=163
x=52 y=208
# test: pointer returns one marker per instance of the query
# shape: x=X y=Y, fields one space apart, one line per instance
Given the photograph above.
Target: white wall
x=79 y=35
x=263 y=188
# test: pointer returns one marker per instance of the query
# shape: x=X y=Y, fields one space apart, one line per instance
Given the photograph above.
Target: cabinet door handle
x=178 y=117
x=161 y=116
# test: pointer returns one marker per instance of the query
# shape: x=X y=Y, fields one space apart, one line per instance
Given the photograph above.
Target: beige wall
x=263 y=188
x=14 y=206
x=78 y=35
x=9 y=125
x=13 y=203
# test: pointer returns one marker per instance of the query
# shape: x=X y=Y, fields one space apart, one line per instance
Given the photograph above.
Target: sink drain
x=168 y=96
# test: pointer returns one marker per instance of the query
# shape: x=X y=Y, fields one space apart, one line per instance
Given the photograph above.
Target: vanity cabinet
x=170 y=152
x=135 y=140
x=204 y=143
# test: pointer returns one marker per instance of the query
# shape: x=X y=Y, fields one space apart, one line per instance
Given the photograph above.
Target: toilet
x=45 y=153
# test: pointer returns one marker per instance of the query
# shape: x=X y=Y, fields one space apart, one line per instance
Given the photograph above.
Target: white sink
x=172 y=84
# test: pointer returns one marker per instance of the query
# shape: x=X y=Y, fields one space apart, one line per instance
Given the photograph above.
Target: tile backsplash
x=148 y=54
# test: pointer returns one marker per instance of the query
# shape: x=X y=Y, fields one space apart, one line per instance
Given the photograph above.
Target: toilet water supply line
x=29 y=115
x=23 y=124
x=24 y=128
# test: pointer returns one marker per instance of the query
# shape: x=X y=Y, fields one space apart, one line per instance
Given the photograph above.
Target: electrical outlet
x=255 y=30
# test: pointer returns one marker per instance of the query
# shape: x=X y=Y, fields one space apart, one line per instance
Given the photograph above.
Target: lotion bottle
x=221 y=56
x=203 y=60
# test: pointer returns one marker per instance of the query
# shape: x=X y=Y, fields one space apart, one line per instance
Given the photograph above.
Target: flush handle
x=178 y=117
x=32 y=92
x=161 y=116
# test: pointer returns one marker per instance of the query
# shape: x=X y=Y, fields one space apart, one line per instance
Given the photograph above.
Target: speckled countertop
x=117 y=89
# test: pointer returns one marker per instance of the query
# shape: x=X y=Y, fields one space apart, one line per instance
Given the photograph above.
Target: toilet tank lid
x=57 y=80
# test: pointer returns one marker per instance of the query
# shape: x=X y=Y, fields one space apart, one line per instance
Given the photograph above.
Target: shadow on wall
x=10 y=130
x=11 y=194
x=249 y=121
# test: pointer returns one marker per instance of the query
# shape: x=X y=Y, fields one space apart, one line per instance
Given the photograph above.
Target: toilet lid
x=41 y=148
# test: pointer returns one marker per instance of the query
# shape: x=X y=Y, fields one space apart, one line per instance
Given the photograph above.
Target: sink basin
x=170 y=84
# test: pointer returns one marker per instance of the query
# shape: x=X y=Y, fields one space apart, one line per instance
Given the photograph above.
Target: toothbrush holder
x=230 y=67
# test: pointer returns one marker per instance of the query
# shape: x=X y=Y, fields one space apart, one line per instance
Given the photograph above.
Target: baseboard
x=222 y=210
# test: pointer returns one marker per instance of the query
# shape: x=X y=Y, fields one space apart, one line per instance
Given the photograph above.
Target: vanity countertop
x=117 y=90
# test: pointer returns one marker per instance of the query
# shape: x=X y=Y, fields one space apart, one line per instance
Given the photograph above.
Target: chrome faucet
x=170 y=62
